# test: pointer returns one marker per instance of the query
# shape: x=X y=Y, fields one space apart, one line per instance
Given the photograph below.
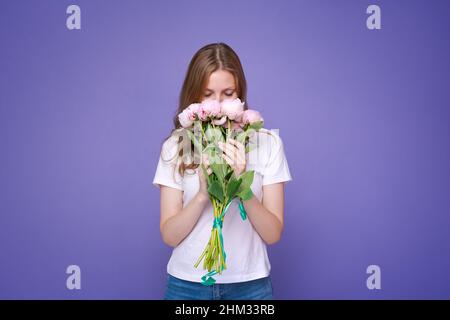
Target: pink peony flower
x=237 y=125
x=251 y=116
x=232 y=108
x=186 y=118
x=211 y=108
x=239 y=117
x=194 y=107
x=220 y=121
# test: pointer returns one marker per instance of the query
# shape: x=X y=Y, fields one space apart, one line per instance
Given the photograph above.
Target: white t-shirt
x=246 y=251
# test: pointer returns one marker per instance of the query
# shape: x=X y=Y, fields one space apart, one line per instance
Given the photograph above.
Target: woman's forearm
x=177 y=227
x=265 y=222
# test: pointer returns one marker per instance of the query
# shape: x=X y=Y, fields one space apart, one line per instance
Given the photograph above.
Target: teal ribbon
x=242 y=210
x=218 y=224
x=208 y=279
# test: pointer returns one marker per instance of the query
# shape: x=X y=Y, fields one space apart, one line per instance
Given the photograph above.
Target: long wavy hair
x=208 y=59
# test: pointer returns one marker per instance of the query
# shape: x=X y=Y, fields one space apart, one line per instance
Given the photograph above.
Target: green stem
x=203 y=134
x=201 y=257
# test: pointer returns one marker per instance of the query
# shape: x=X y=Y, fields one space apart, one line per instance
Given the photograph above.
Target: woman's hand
x=203 y=190
x=234 y=155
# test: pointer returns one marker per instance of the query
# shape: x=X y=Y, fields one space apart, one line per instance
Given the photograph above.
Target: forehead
x=220 y=80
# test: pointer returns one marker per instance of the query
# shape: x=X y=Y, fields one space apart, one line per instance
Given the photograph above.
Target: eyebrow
x=230 y=88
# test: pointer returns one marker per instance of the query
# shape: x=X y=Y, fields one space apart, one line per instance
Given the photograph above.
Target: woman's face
x=221 y=86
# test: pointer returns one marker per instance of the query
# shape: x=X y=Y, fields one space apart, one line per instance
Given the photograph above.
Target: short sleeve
x=276 y=169
x=166 y=174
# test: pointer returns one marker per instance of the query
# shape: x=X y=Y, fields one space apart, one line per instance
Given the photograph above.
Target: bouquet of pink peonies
x=208 y=124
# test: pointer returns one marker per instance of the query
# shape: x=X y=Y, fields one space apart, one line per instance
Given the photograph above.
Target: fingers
x=232 y=145
x=208 y=171
x=206 y=163
x=234 y=151
x=237 y=144
x=228 y=160
x=228 y=149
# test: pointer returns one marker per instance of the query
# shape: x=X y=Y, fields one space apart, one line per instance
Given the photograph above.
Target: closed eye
x=228 y=93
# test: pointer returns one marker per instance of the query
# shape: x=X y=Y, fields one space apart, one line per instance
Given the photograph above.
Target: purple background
x=363 y=115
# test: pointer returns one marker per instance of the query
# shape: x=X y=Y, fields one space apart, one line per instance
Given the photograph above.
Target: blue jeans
x=178 y=289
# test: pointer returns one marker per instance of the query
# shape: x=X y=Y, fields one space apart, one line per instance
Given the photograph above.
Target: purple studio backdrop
x=363 y=113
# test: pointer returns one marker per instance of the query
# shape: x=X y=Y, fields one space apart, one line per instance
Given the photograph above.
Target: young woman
x=215 y=72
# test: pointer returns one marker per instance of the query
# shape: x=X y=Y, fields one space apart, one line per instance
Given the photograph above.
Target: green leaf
x=232 y=187
x=219 y=170
x=213 y=135
x=210 y=147
x=215 y=189
x=245 y=191
x=218 y=166
x=247 y=179
x=241 y=136
x=249 y=131
x=246 y=194
x=257 y=125
x=228 y=175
